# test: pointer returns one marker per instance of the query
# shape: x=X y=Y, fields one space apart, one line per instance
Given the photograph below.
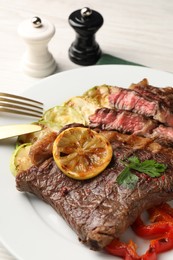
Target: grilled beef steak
x=131 y=123
x=100 y=209
x=164 y=95
x=123 y=121
x=137 y=102
x=163 y=135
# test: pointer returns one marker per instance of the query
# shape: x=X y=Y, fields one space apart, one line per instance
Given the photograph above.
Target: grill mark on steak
x=123 y=121
x=99 y=209
x=163 y=135
x=164 y=95
x=143 y=103
x=127 y=99
x=131 y=123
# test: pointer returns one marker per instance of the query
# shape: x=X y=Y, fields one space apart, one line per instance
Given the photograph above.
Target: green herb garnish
x=149 y=167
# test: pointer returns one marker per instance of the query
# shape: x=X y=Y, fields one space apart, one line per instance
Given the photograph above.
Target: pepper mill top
x=86 y=22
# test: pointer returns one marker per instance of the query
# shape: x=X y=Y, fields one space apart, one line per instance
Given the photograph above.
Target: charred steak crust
x=164 y=95
x=98 y=209
x=131 y=123
x=123 y=121
x=159 y=108
x=141 y=110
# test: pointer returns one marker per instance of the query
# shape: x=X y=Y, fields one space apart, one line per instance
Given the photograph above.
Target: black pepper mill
x=85 y=50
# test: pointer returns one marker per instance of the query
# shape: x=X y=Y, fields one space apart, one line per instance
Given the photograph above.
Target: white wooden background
x=136 y=30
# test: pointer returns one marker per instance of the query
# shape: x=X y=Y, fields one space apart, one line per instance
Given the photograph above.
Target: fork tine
x=8 y=110
x=19 y=97
x=13 y=101
x=20 y=105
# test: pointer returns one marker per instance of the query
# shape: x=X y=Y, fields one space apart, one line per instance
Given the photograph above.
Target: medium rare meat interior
x=141 y=110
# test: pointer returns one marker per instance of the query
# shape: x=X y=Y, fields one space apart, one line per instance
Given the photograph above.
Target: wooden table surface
x=135 y=30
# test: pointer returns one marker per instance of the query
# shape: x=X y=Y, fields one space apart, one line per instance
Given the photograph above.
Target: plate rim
x=88 y=69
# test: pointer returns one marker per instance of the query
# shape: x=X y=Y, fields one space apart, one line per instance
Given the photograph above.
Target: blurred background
x=135 y=30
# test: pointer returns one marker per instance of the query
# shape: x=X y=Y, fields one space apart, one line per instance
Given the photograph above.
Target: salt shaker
x=37 y=60
x=85 y=50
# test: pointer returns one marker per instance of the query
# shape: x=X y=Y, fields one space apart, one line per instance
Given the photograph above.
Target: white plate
x=29 y=228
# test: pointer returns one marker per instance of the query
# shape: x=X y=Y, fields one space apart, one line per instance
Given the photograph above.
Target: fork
x=15 y=104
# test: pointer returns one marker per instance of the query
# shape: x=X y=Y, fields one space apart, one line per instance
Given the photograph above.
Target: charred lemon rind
x=81 y=153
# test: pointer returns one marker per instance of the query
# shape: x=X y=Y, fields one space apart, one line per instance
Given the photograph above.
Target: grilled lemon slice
x=81 y=153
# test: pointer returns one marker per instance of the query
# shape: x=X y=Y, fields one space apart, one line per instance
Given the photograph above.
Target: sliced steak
x=163 y=135
x=131 y=123
x=128 y=99
x=123 y=121
x=99 y=209
x=164 y=95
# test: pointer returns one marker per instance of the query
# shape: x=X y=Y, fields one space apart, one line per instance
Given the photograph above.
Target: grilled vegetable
x=32 y=137
x=91 y=100
x=57 y=117
x=20 y=160
x=84 y=106
x=160 y=231
x=99 y=94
